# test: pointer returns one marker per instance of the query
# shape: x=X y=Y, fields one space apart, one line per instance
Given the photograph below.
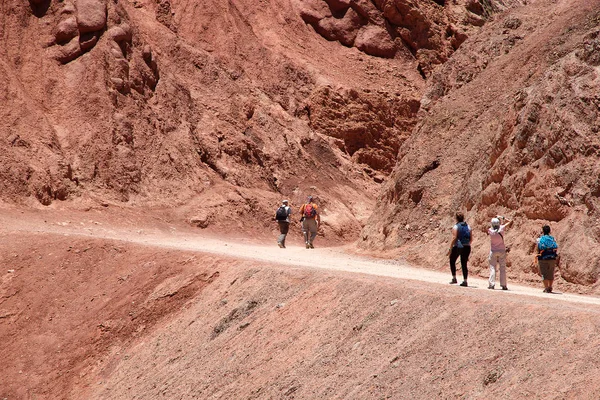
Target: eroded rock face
x=494 y=140
x=430 y=31
x=58 y=167
x=590 y=53
x=80 y=25
x=371 y=126
x=213 y=113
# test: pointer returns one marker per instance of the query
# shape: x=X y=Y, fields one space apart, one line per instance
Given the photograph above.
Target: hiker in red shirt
x=310 y=221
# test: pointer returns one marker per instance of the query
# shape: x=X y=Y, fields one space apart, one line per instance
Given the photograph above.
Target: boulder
x=201 y=220
x=68 y=52
x=312 y=11
x=338 y=5
x=343 y=29
x=375 y=41
x=66 y=30
x=120 y=33
x=475 y=7
x=91 y=15
x=88 y=40
x=147 y=53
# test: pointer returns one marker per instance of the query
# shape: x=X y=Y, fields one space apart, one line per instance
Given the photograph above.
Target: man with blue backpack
x=547 y=257
x=460 y=246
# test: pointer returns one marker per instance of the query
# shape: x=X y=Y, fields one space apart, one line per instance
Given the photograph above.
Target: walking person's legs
x=502 y=262
x=547 y=272
x=464 y=258
x=284 y=228
x=453 y=258
x=551 y=280
x=493 y=261
x=305 y=231
x=313 y=232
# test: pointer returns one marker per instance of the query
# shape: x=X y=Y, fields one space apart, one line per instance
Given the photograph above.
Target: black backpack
x=281 y=214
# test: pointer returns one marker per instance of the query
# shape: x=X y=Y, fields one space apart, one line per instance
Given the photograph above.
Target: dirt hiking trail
x=328 y=258
x=114 y=304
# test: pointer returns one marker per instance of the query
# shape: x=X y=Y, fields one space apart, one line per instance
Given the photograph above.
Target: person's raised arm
x=507 y=222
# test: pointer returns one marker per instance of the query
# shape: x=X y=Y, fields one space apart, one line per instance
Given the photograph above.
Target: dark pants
x=284 y=228
x=464 y=257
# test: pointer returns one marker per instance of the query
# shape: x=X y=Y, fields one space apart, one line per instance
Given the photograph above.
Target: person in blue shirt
x=547 y=257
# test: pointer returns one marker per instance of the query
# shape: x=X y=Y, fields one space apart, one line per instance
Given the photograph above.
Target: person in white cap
x=498 y=251
x=282 y=216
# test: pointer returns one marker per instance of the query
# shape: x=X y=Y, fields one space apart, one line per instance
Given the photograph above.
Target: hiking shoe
x=307 y=246
x=464 y=283
x=491 y=286
x=550 y=289
x=453 y=281
x=280 y=245
x=311 y=246
x=504 y=288
x=546 y=290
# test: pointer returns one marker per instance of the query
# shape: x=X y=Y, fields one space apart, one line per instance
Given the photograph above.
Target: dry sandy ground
x=104 y=307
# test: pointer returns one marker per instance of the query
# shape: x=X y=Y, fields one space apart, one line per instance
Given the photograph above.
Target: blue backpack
x=463 y=234
x=547 y=247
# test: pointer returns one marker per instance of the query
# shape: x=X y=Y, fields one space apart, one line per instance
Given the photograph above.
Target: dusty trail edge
x=333 y=259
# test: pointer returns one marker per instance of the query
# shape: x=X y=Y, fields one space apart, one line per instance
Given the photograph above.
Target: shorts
x=547 y=269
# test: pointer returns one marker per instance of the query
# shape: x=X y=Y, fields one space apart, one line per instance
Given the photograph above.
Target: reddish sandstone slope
x=508 y=126
x=87 y=318
x=220 y=106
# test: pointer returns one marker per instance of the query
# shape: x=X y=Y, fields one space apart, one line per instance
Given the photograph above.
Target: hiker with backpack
x=498 y=251
x=282 y=216
x=310 y=221
x=460 y=246
x=547 y=257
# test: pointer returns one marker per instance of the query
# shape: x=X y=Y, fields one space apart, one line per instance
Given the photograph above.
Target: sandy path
x=335 y=259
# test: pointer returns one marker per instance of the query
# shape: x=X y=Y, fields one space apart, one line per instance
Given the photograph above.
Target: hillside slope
x=221 y=107
x=85 y=317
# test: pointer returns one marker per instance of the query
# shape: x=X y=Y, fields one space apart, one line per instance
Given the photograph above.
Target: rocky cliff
x=508 y=126
x=216 y=107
